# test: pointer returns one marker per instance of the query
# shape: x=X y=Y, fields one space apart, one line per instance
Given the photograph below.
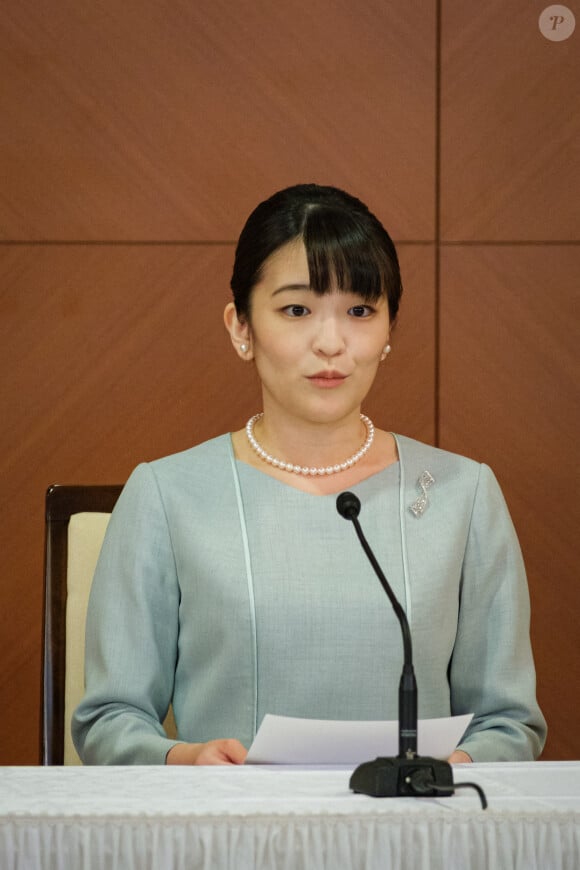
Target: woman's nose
x=329 y=340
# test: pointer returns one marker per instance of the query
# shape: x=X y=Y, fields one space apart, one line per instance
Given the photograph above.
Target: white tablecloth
x=179 y=818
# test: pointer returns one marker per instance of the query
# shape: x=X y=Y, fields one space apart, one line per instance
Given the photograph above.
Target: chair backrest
x=76 y=520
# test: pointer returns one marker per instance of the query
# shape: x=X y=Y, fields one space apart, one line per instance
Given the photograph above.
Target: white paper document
x=287 y=740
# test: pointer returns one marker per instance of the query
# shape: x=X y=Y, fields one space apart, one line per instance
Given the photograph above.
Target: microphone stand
x=409 y=774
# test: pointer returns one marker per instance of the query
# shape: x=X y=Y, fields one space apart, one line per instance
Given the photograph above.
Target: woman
x=229 y=586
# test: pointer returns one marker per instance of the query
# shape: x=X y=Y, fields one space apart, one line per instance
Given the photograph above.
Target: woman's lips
x=327 y=380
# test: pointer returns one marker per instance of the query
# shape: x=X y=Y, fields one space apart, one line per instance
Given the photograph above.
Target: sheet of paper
x=287 y=740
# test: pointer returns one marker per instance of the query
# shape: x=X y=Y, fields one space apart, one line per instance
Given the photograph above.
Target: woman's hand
x=227 y=751
x=458 y=756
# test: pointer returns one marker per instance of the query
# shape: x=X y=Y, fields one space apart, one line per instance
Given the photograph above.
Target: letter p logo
x=557 y=23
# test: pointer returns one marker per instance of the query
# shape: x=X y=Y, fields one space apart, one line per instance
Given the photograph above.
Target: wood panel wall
x=135 y=139
x=509 y=279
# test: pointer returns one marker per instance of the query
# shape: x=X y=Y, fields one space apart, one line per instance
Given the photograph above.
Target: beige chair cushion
x=85 y=537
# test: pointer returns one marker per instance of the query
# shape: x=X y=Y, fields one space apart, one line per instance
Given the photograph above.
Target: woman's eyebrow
x=291 y=287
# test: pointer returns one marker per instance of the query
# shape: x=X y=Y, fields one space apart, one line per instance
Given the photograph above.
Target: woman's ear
x=239 y=331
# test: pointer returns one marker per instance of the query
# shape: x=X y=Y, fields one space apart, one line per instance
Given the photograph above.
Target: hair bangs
x=341 y=256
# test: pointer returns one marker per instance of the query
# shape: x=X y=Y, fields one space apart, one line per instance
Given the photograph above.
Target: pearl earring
x=386 y=350
x=244 y=348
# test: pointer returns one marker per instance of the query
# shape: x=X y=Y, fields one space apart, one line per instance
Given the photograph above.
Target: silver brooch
x=420 y=505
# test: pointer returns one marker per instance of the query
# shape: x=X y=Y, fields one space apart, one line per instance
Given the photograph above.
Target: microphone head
x=348 y=505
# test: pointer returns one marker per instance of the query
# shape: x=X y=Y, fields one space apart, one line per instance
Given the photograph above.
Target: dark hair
x=344 y=241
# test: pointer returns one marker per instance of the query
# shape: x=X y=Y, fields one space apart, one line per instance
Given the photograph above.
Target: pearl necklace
x=298 y=469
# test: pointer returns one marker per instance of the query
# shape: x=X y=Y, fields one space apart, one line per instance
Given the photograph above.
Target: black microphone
x=409 y=774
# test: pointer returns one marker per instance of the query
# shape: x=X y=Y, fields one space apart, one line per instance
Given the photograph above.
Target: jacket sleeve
x=492 y=671
x=131 y=634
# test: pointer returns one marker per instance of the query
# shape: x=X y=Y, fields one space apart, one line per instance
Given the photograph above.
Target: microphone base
x=403 y=777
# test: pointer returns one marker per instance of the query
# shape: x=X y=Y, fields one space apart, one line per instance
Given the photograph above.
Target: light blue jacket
x=229 y=594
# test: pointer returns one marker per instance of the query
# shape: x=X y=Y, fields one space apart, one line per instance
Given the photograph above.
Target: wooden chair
x=75 y=522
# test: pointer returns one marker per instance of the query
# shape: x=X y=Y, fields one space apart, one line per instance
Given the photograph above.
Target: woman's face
x=316 y=356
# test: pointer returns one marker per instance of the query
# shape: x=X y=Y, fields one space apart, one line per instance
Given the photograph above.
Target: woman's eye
x=295 y=310
x=361 y=310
